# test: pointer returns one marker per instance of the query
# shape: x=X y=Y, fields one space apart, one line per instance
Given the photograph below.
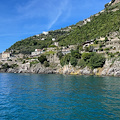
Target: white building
x=6 y=55
x=45 y=33
x=66 y=51
x=37 y=52
x=53 y=39
x=86 y=20
x=37 y=35
x=43 y=39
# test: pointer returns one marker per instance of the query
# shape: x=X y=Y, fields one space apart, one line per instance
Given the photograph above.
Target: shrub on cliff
x=5 y=66
x=75 y=54
x=42 y=58
x=73 y=61
x=86 y=56
x=97 y=60
x=65 y=59
x=93 y=60
x=81 y=63
x=13 y=66
x=46 y=64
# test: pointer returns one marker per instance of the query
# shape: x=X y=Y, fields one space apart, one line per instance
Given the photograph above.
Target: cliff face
x=115 y=1
x=111 y=68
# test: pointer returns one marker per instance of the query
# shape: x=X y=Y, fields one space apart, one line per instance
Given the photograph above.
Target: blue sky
x=20 y=19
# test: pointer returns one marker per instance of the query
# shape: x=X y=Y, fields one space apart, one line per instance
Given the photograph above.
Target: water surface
x=59 y=97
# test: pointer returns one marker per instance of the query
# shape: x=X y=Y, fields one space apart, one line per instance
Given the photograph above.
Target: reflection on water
x=49 y=97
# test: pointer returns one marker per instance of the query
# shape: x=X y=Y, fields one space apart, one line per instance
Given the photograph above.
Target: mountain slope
x=99 y=25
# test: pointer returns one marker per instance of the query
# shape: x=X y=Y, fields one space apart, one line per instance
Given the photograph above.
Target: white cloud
x=64 y=7
x=36 y=15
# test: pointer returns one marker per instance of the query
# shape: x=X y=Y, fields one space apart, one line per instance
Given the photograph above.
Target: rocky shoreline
x=111 y=68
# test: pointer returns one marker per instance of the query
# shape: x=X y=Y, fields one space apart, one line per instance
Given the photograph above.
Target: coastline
x=70 y=71
x=110 y=68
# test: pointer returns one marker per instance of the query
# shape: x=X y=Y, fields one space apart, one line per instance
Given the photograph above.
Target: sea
x=58 y=97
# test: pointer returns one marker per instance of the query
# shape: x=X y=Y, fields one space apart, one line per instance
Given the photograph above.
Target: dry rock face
x=116 y=1
x=111 y=68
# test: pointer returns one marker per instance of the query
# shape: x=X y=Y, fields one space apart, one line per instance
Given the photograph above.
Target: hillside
x=98 y=25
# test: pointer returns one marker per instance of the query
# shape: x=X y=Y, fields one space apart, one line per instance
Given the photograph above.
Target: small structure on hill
x=6 y=55
x=45 y=33
x=65 y=51
x=53 y=39
x=37 y=52
x=56 y=44
x=43 y=39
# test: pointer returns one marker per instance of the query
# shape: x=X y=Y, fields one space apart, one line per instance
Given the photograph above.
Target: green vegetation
x=49 y=53
x=6 y=66
x=65 y=59
x=73 y=61
x=13 y=66
x=42 y=59
x=96 y=60
x=46 y=64
x=75 y=54
x=92 y=60
x=99 y=26
x=33 y=62
x=28 y=45
x=81 y=63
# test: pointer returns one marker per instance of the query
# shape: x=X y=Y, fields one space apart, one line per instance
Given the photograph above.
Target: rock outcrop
x=115 y=1
x=111 y=68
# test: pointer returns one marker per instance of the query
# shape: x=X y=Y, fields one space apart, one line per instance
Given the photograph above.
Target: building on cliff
x=6 y=55
x=37 y=52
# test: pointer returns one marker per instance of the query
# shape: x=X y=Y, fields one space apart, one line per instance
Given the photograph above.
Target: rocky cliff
x=111 y=68
x=115 y=1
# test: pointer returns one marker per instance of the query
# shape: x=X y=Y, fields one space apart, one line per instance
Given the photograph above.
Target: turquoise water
x=58 y=97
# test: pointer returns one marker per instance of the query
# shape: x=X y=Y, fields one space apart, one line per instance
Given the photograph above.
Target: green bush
x=42 y=58
x=33 y=62
x=97 y=60
x=13 y=66
x=96 y=42
x=86 y=56
x=5 y=66
x=107 y=49
x=81 y=63
x=46 y=64
x=76 y=54
x=73 y=61
x=65 y=59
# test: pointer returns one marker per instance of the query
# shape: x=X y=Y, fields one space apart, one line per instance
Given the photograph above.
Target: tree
x=42 y=58
x=76 y=54
x=65 y=59
x=46 y=64
x=86 y=56
x=73 y=61
x=97 y=60
x=81 y=63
